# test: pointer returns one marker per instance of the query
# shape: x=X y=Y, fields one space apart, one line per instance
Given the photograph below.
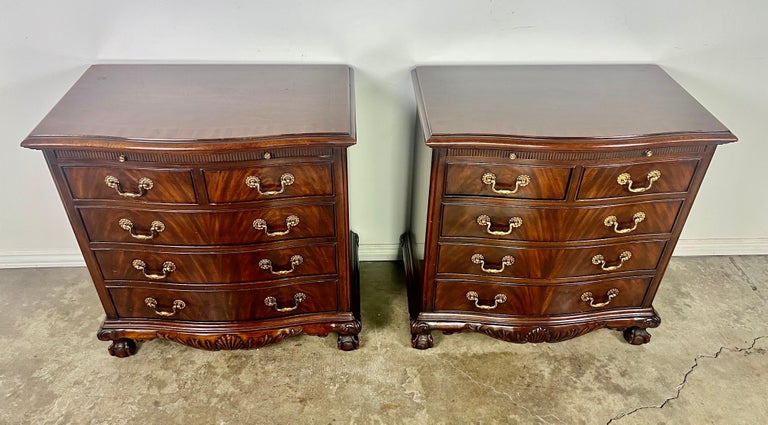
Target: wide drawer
x=208 y=228
x=507 y=181
x=558 y=223
x=548 y=263
x=538 y=300
x=136 y=184
x=225 y=305
x=268 y=182
x=212 y=267
x=617 y=181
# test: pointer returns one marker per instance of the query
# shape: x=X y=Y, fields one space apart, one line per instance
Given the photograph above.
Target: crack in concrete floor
x=681 y=385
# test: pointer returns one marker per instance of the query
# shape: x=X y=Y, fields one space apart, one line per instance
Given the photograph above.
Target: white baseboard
x=391 y=252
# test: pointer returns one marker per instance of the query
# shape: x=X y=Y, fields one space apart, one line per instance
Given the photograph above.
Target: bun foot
x=123 y=347
x=636 y=336
x=422 y=341
x=348 y=342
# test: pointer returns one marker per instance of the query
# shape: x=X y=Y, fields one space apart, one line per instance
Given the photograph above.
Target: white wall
x=715 y=49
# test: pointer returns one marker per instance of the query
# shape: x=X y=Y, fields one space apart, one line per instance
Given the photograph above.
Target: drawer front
x=539 y=299
x=242 y=266
x=208 y=228
x=224 y=305
x=548 y=263
x=136 y=184
x=507 y=181
x=619 y=181
x=558 y=223
x=268 y=182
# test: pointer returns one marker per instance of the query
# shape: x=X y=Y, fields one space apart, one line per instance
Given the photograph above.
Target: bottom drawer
x=482 y=297
x=224 y=305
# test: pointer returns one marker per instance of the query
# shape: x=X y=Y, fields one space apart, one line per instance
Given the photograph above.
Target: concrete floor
x=706 y=364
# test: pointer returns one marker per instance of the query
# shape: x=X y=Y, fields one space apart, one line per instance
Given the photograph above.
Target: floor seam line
x=681 y=385
x=743 y=274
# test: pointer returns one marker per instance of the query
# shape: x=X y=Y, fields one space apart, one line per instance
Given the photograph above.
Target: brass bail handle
x=489 y=179
x=290 y=222
x=626 y=179
x=599 y=260
x=140 y=265
x=266 y=264
x=254 y=182
x=498 y=299
x=587 y=297
x=144 y=185
x=155 y=228
x=613 y=221
x=486 y=221
x=506 y=260
x=176 y=306
x=298 y=298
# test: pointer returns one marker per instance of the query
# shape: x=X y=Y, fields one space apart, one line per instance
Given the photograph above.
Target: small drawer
x=539 y=300
x=618 y=181
x=224 y=305
x=268 y=182
x=548 y=263
x=211 y=267
x=558 y=223
x=507 y=181
x=135 y=184
x=233 y=227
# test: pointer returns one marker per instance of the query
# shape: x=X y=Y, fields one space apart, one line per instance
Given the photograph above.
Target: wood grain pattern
x=545 y=182
x=224 y=305
x=228 y=185
x=566 y=223
x=548 y=263
x=217 y=227
x=601 y=182
x=169 y=186
x=218 y=267
x=538 y=299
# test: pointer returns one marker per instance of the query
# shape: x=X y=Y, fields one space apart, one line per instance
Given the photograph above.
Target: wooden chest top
x=567 y=103
x=168 y=106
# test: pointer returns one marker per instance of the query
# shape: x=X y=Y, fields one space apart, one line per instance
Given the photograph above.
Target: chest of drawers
x=210 y=201
x=548 y=199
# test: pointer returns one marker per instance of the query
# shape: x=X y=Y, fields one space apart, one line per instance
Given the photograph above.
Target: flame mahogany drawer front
x=232 y=227
x=528 y=299
x=281 y=181
x=547 y=200
x=506 y=181
x=135 y=184
x=227 y=204
x=549 y=263
x=565 y=223
x=224 y=305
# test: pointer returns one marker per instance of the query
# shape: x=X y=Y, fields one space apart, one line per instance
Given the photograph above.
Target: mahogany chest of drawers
x=547 y=200
x=210 y=201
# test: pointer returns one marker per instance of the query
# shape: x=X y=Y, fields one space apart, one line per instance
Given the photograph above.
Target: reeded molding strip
x=185 y=158
x=572 y=156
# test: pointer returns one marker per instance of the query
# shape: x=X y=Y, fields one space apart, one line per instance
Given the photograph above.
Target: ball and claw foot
x=123 y=347
x=422 y=341
x=636 y=336
x=348 y=342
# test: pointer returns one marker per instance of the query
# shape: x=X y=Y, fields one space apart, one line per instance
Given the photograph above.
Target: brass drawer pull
x=626 y=179
x=155 y=228
x=168 y=268
x=612 y=221
x=144 y=185
x=254 y=182
x=267 y=265
x=587 y=297
x=290 y=221
x=176 y=306
x=298 y=298
x=498 y=299
x=521 y=181
x=506 y=260
x=485 y=220
x=600 y=261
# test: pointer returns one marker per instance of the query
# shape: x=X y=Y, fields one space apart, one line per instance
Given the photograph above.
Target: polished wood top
x=153 y=105
x=567 y=103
